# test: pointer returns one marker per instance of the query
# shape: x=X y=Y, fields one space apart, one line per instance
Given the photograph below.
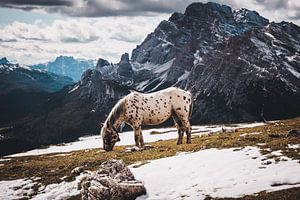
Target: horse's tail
x=191 y=105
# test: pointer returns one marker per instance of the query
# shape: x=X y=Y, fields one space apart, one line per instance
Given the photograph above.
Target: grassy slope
x=51 y=167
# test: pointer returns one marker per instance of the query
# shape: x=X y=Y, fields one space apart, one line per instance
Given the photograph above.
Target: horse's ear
x=101 y=125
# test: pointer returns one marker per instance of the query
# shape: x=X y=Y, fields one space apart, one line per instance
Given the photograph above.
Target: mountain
x=14 y=76
x=66 y=66
x=238 y=65
x=23 y=89
x=64 y=115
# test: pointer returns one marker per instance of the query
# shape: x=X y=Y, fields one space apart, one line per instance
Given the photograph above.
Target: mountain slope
x=24 y=90
x=65 y=115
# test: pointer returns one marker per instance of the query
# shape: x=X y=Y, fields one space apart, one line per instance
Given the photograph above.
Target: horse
x=137 y=109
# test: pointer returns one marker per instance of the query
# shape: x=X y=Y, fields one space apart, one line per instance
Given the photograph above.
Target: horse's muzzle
x=108 y=147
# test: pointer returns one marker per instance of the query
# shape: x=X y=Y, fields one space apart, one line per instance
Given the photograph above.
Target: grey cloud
x=8 y=40
x=121 y=37
x=273 y=4
x=100 y=8
x=79 y=40
x=31 y=3
x=103 y=8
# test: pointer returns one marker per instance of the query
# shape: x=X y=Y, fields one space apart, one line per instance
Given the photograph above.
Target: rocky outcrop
x=112 y=181
x=125 y=68
x=102 y=63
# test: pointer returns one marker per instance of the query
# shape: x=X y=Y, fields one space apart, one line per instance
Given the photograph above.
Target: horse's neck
x=117 y=122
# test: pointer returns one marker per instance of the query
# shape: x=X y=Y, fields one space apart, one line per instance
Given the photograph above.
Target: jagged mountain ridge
x=66 y=66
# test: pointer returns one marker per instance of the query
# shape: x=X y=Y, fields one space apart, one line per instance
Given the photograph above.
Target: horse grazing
x=137 y=109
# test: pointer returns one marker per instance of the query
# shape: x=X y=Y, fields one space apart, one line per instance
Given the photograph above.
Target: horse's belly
x=156 y=116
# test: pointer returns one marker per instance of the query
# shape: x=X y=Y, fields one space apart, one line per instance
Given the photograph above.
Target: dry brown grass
x=51 y=168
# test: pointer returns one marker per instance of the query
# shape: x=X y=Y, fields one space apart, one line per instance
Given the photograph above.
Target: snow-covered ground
x=127 y=138
x=217 y=173
x=16 y=189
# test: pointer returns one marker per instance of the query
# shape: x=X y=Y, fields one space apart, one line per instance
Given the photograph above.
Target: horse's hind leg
x=184 y=125
x=188 y=132
x=180 y=133
x=179 y=127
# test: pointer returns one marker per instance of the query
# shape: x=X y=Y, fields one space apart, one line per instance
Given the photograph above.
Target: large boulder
x=112 y=181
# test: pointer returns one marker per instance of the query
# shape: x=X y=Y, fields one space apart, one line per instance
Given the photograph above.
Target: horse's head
x=110 y=136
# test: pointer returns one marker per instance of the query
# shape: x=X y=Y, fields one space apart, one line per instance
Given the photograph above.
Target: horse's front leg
x=136 y=137
x=139 y=140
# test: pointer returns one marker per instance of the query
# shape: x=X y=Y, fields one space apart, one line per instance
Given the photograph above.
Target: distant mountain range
x=238 y=66
x=66 y=66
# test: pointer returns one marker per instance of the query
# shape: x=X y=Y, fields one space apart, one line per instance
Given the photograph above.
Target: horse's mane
x=116 y=111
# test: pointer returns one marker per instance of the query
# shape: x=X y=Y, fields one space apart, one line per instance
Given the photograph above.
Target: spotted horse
x=137 y=109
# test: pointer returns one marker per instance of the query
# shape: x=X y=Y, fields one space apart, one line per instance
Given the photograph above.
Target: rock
x=294 y=133
x=125 y=68
x=276 y=135
x=101 y=63
x=76 y=171
x=112 y=181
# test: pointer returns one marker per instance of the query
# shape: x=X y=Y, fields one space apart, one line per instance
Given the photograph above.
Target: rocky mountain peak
x=101 y=63
x=125 y=68
x=4 y=61
x=208 y=11
x=124 y=58
x=246 y=16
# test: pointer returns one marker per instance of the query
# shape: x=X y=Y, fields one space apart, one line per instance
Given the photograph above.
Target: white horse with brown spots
x=137 y=109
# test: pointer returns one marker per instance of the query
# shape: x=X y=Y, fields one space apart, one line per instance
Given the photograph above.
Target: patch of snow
x=197 y=57
x=184 y=76
x=16 y=189
x=292 y=70
x=58 y=191
x=261 y=144
x=294 y=146
x=74 y=88
x=5 y=159
x=291 y=58
x=142 y=85
x=277 y=153
x=218 y=173
x=270 y=35
x=127 y=138
x=263 y=48
x=254 y=133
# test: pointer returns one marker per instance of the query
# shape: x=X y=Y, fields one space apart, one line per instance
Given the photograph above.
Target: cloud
x=33 y=3
x=276 y=10
x=107 y=37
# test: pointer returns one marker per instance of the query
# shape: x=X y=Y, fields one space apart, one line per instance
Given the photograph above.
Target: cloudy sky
x=36 y=31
